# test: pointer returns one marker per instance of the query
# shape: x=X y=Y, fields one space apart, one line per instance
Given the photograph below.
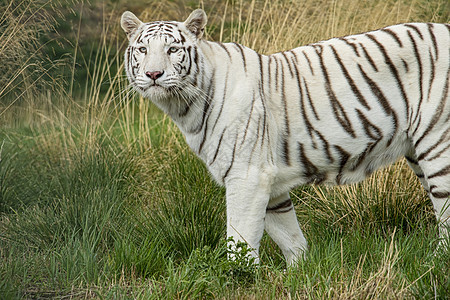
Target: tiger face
x=159 y=57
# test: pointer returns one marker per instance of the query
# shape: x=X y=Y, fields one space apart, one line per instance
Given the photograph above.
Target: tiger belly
x=345 y=168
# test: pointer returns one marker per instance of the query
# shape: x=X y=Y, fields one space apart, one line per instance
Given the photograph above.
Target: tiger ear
x=196 y=22
x=129 y=23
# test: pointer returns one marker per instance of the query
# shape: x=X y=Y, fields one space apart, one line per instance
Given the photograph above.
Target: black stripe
x=394 y=35
x=310 y=100
x=287 y=204
x=439 y=111
x=433 y=39
x=350 y=81
x=209 y=96
x=196 y=55
x=411 y=160
x=276 y=74
x=371 y=130
x=374 y=133
x=204 y=135
x=418 y=125
x=265 y=127
x=256 y=140
x=261 y=69
x=405 y=64
x=294 y=55
x=352 y=45
x=269 y=74
x=283 y=84
x=241 y=50
x=338 y=110
x=441 y=195
x=382 y=99
x=223 y=102
x=433 y=70
x=360 y=158
x=309 y=62
x=308 y=125
x=438 y=194
x=189 y=50
x=437 y=155
x=297 y=76
x=289 y=65
x=218 y=147
x=140 y=39
x=415 y=29
x=325 y=145
x=249 y=119
x=197 y=67
x=285 y=143
x=310 y=171
x=231 y=164
x=444 y=137
x=393 y=71
x=444 y=171
x=283 y=100
x=183 y=39
x=343 y=158
x=372 y=63
x=419 y=63
x=225 y=48
x=311 y=130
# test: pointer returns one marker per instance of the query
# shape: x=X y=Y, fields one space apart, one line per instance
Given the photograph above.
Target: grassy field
x=100 y=197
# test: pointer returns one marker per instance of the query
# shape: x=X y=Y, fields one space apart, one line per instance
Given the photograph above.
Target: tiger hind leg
x=414 y=165
x=282 y=226
x=437 y=176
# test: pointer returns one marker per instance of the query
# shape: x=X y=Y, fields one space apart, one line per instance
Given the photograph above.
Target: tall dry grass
x=272 y=26
x=25 y=70
x=103 y=196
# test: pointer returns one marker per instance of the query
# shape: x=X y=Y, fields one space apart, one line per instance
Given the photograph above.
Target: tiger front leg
x=247 y=200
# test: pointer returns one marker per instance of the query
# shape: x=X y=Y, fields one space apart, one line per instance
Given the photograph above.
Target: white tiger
x=330 y=112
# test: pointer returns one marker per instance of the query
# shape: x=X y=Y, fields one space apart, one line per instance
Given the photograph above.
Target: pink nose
x=154 y=75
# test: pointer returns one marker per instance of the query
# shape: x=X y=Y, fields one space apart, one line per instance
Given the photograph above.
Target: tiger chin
x=330 y=112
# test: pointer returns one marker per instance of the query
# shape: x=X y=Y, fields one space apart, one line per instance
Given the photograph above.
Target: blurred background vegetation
x=100 y=196
x=48 y=43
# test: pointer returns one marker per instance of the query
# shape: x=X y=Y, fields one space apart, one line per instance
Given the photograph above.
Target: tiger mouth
x=154 y=89
x=150 y=86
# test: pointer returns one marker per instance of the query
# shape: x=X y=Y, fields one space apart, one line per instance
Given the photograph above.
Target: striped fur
x=330 y=112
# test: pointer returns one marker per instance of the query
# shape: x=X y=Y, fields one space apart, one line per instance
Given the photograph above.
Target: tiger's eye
x=172 y=50
x=142 y=49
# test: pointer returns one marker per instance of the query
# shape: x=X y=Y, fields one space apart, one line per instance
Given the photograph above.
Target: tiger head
x=161 y=55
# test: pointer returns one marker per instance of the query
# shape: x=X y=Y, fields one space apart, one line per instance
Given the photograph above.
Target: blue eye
x=172 y=50
x=142 y=49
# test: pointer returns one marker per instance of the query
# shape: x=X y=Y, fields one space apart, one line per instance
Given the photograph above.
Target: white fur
x=245 y=107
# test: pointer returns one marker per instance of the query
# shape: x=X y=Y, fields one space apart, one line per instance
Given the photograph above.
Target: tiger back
x=330 y=112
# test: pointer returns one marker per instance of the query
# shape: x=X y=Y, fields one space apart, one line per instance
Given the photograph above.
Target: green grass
x=100 y=197
x=110 y=222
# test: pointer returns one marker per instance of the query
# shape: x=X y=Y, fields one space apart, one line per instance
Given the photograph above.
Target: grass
x=101 y=198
